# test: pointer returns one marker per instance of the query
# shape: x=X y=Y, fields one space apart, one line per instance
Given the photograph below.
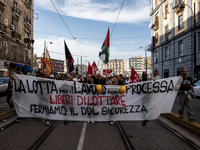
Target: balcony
x=16 y=12
x=177 y=7
x=2 y=4
x=3 y=28
x=16 y=35
x=155 y=26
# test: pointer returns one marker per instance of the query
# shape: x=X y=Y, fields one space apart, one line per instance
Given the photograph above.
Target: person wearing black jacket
x=99 y=80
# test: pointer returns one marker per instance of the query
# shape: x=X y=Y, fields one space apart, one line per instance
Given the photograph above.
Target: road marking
x=82 y=137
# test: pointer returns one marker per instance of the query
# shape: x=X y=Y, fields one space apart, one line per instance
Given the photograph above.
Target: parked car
x=4 y=84
x=196 y=87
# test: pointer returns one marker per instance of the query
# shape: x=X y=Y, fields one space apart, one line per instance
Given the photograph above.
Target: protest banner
x=106 y=72
x=67 y=100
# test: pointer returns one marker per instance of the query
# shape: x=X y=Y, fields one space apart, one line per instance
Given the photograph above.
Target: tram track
x=9 y=125
x=186 y=140
x=42 y=138
x=125 y=138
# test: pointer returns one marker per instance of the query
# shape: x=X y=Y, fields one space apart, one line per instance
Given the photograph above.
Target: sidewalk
x=184 y=122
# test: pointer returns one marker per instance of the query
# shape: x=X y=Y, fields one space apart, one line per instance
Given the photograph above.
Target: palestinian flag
x=104 y=54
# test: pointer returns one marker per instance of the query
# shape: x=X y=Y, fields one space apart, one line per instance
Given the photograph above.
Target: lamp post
x=145 y=56
x=194 y=63
x=45 y=45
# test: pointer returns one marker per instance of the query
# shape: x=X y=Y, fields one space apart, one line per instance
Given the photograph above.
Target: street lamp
x=145 y=56
x=45 y=45
x=194 y=64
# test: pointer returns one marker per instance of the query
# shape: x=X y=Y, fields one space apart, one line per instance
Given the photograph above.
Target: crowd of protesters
x=97 y=78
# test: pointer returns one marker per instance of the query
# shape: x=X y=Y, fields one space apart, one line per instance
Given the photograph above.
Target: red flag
x=89 y=69
x=46 y=60
x=94 y=67
x=134 y=76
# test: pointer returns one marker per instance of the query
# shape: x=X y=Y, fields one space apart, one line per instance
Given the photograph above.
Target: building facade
x=127 y=71
x=58 y=65
x=16 y=35
x=175 y=39
x=116 y=65
x=139 y=64
x=84 y=69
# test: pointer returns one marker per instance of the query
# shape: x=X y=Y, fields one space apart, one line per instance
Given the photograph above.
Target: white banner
x=67 y=100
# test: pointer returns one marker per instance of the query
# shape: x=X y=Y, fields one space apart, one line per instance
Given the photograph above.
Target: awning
x=19 y=65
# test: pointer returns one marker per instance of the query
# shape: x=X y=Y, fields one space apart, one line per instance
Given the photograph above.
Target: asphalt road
x=98 y=136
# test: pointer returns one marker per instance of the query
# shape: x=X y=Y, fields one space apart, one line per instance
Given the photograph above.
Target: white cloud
x=133 y=11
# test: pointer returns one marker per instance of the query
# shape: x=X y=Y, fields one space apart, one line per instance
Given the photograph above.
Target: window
x=0 y=47
x=26 y=55
x=14 y=22
x=180 y=48
x=166 y=28
x=156 y=57
x=26 y=35
x=199 y=40
x=166 y=9
x=180 y=21
x=1 y=16
x=14 y=50
x=156 y=37
x=166 y=53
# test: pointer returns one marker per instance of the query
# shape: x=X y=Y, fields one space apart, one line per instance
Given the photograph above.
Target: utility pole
x=146 y=58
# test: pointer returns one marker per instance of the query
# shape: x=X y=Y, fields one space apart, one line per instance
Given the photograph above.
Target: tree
x=35 y=64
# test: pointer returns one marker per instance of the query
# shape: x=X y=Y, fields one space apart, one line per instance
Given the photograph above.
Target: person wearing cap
x=155 y=75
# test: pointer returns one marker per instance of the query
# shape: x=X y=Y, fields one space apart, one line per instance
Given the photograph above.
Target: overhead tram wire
x=67 y=27
x=93 y=38
x=117 y=17
x=72 y=55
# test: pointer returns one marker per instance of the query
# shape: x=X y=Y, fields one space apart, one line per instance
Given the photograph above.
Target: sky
x=83 y=24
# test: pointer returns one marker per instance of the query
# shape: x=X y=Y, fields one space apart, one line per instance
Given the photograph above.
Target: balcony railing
x=3 y=28
x=16 y=11
x=16 y=35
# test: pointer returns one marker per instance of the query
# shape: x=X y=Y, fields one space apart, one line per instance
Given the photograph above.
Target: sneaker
x=88 y=121
x=92 y=121
x=191 y=119
x=181 y=116
x=111 y=122
x=43 y=120
x=47 y=123
x=18 y=120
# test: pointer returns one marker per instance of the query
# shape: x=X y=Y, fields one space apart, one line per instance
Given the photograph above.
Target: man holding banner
x=185 y=95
